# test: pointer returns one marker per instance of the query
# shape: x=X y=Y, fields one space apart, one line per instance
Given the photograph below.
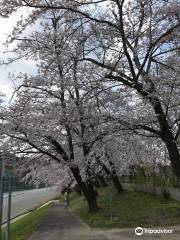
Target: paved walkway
x=61 y=224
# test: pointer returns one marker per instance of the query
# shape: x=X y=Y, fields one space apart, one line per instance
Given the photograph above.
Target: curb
x=18 y=217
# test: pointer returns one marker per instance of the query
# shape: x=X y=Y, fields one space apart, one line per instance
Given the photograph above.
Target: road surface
x=23 y=201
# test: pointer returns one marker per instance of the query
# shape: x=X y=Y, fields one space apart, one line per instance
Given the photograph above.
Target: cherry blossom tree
x=131 y=41
x=56 y=113
x=130 y=47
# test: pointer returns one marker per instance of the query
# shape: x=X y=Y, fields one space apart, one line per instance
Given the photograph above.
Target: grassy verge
x=130 y=209
x=26 y=226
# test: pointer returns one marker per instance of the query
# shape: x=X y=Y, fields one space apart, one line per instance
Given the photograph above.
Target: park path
x=61 y=224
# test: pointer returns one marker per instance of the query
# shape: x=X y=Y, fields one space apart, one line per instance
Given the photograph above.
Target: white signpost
x=7 y=167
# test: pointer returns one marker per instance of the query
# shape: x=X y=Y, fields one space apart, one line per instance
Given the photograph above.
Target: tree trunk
x=167 y=137
x=115 y=178
x=92 y=204
x=92 y=195
x=97 y=183
x=102 y=181
x=174 y=156
x=87 y=190
x=117 y=184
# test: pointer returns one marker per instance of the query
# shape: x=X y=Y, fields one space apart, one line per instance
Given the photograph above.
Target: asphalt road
x=23 y=201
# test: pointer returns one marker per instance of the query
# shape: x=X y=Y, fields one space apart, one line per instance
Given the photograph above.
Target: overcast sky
x=6 y=85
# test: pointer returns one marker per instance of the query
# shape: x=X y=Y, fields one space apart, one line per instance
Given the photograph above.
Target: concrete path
x=61 y=224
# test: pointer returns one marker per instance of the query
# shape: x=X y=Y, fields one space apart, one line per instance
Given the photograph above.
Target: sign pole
x=9 y=210
x=110 y=199
x=1 y=196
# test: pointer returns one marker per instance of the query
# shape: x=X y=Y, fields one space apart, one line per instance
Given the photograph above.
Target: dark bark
x=167 y=137
x=92 y=195
x=87 y=190
x=175 y=159
x=102 y=181
x=111 y=173
x=115 y=178
x=117 y=184
x=97 y=183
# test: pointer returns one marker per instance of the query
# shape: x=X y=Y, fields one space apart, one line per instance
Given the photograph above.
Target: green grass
x=26 y=226
x=130 y=209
